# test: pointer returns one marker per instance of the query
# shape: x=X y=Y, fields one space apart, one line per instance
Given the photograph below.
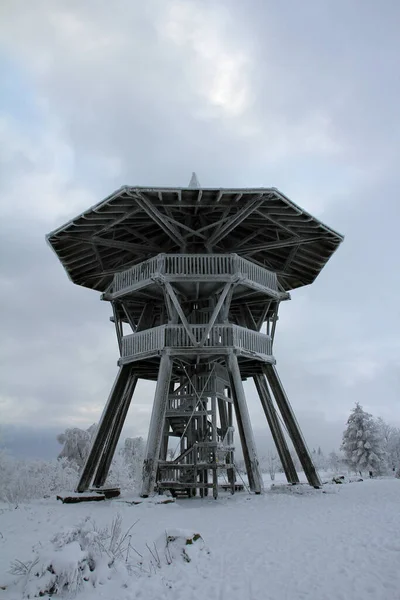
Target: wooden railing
x=147 y=341
x=175 y=336
x=177 y=403
x=136 y=274
x=252 y=341
x=257 y=274
x=198 y=266
x=220 y=335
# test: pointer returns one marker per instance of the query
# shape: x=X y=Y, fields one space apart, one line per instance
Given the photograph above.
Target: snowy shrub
x=133 y=453
x=88 y=556
x=183 y=544
x=22 y=480
x=120 y=473
x=74 y=557
x=391 y=444
x=270 y=464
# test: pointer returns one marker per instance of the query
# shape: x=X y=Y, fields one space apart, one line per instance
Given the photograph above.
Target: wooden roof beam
x=234 y=221
x=159 y=218
x=295 y=241
x=268 y=217
x=130 y=247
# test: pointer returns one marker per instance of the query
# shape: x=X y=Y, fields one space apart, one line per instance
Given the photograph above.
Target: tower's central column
x=197 y=440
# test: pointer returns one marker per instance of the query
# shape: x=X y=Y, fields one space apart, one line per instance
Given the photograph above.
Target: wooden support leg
x=231 y=471
x=292 y=425
x=244 y=425
x=223 y=416
x=114 y=401
x=201 y=476
x=205 y=480
x=276 y=430
x=214 y=439
x=114 y=435
x=165 y=441
x=156 y=426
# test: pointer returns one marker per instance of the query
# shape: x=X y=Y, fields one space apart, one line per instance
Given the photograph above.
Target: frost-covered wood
x=76 y=498
x=193 y=274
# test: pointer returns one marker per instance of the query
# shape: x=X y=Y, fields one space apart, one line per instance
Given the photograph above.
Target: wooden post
x=214 y=439
x=244 y=425
x=223 y=416
x=231 y=471
x=276 y=430
x=106 y=421
x=292 y=425
x=156 y=426
x=164 y=443
x=114 y=435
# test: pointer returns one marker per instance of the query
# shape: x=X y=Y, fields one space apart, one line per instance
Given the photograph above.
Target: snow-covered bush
x=76 y=556
x=86 y=556
x=22 y=480
x=270 y=464
x=133 y=454
x=319 y=459
x=120 y=473
x=334 y=462
x=391 y=444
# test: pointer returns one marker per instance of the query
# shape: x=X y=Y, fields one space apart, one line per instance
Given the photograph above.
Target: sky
x=302 y=96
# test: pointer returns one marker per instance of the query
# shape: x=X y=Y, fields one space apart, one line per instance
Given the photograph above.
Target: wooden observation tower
x=195 y=277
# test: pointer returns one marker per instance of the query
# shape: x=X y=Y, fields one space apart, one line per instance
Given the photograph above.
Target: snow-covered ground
x=292 y=543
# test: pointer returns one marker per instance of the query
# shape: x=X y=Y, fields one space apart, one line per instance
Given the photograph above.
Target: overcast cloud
x=303 y=96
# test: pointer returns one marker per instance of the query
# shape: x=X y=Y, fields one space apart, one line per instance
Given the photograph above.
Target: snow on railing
x=149 y=340
x=203 y=266
x=220 y=335
x=177 y=403
x=176 y=336
x=257 y=274
x=252 y=341
x=137 y=274
x=198 y=264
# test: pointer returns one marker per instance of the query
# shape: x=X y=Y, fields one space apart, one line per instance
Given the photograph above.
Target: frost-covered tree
x=22 y=480
x=319 y=459
x=393 y=450
x=296 y=460
x=362 y=442
x=270 y=464
x=76 y=444
x=133 y=454
x=334 y=462
x=391 y=444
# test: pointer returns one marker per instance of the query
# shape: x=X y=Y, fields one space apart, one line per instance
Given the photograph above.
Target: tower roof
x=135 y=223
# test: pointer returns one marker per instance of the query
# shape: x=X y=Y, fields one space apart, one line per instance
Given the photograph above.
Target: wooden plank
x=75 y=498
